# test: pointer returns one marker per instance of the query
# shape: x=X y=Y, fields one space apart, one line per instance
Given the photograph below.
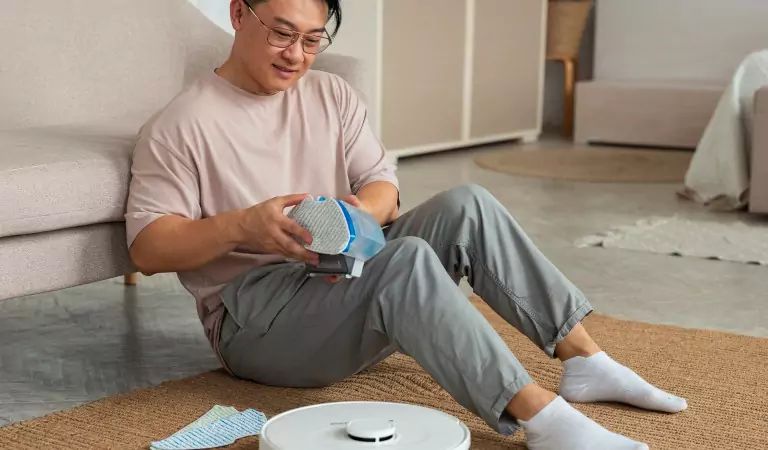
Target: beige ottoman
x=642 y=113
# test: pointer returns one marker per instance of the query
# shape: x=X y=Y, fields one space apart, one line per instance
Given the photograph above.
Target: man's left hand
x=333 y=279
x=379 y=199
x=355 y=201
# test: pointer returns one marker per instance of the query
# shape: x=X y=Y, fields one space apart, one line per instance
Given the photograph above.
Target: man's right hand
x=267 y=229
x=177 y=244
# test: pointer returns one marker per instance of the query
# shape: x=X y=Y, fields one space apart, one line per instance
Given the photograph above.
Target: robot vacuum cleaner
x=364 y=425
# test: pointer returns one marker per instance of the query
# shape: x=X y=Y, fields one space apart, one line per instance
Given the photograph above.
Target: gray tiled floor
x=60 y=350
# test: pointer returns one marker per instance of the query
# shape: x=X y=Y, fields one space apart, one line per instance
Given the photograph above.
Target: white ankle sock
x=599 y=378
x=560 y=426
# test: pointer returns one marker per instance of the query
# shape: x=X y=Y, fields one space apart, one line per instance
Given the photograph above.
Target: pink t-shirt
x=216 y=148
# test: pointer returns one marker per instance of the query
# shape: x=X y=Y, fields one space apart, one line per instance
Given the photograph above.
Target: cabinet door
x=507 y=73
x=423 y=72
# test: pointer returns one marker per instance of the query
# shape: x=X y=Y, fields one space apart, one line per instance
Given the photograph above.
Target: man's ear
x=237 y=10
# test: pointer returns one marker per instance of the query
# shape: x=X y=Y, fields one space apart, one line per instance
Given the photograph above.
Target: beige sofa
x=77 y=79
x=758 y=192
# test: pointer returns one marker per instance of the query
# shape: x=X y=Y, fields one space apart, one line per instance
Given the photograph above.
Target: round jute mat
x=608 y=165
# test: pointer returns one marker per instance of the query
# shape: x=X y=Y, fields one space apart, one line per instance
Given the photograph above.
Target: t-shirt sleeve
x=366 y=157
x=163 y=182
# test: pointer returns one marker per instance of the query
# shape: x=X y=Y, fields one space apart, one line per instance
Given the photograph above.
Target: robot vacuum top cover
x=364 y=425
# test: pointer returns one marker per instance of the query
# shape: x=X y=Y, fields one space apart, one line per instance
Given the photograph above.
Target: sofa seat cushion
x=62 y=177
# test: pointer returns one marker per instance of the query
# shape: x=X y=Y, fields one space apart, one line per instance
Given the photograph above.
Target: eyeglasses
x=284 y=38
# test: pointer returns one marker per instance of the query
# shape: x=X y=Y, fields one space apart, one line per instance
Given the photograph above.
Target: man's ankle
x=530 y=401
x=576 y=343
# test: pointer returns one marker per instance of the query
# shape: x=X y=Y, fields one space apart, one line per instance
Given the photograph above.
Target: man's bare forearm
x=380 y=199
x=178 y=244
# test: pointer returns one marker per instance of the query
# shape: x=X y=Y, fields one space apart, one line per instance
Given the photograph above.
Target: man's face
x=273 y=68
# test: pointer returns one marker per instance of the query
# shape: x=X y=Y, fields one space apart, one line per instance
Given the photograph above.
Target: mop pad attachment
x=338 y=228
x=326 y=221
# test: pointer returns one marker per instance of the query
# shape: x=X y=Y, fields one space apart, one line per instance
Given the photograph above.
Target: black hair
x=334 y=12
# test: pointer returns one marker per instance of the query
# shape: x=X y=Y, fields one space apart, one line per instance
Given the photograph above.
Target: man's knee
x=411 y=248
x=410 y=260
x=413 y=274
x=467 y=197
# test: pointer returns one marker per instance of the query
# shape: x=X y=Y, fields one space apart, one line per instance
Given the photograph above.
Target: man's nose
x=294 y=53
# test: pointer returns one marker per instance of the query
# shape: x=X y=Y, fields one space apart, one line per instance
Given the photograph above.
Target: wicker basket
x=565 y=29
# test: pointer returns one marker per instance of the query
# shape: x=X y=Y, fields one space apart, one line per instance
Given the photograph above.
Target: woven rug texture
x=723 y=376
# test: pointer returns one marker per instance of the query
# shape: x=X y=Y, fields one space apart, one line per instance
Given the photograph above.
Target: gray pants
x=286 y=329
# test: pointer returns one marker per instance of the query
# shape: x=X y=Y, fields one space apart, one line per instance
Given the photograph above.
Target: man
x=212 y=175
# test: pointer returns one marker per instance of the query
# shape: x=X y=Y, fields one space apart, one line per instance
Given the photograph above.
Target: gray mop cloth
x=325 y=221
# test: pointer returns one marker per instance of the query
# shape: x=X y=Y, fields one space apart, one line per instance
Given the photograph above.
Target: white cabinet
x=422 y=73
x=507 y=75
x=450 y=73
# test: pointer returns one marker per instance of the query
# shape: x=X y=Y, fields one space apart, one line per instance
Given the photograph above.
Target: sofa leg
x=131 y=279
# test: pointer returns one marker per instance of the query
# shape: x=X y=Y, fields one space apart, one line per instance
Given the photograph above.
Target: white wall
x=217 y=11
x=702 y=40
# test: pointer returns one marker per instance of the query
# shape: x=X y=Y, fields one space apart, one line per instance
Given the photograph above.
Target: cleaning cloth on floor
x=219 y=433
x=216 y=413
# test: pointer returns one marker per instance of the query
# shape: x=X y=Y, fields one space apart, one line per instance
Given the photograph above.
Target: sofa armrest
x=758 y=198
x=351 y=69
x=207 y=45
x=354 y=72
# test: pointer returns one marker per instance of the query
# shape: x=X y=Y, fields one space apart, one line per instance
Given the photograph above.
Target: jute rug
x=731 y=240
x=723 y=376
x=611 y=165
